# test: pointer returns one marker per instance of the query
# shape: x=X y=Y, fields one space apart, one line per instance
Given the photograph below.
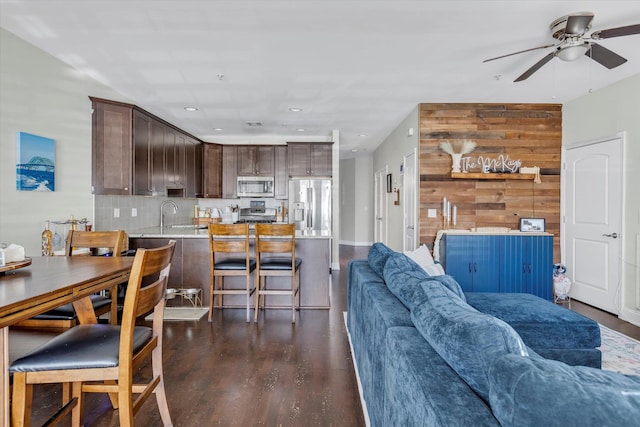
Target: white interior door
x=409 y=195
x=593 y=202
x=380 y=202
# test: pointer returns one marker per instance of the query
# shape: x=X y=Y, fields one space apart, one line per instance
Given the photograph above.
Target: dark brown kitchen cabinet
x=255 y=160
x=309 y=158
x=111 y=148
x=194 y=168
x=229 y=171
x=148 y=155
x=135 y=152
x=212 y=167
x=281 y=177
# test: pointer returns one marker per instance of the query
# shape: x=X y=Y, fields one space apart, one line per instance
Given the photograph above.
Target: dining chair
x=229 y=246
x=84 y=242
x=276 y=256
x=101 y=358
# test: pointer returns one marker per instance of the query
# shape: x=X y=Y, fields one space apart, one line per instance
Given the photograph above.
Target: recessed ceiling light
x=190 y=109
x=253 y=124
x=217 y=129
x=295 y=109
x=300 y=129
x=363 y=135
x=354 y=150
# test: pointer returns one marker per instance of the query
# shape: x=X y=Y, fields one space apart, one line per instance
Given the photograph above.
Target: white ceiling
x=358 y=67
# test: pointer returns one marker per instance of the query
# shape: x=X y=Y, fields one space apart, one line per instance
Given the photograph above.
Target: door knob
x=613 y=235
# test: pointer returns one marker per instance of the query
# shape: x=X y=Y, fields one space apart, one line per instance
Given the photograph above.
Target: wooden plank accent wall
x=528 y=132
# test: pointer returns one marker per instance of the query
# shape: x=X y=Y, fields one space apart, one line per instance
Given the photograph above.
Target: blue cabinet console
x=517 y=262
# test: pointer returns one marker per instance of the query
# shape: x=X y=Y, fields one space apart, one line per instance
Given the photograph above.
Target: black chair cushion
x=66 y=312
x=278 y=263
x=235 y=264
x=83 y=346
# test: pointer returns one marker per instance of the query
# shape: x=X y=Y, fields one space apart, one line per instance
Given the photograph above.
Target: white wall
x=390 y=153
x=42 y=96
x=604 y=113
x=356 y=201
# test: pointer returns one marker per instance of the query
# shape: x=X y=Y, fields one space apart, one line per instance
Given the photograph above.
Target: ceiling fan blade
x=578 y=24
x=604 y=56
x=516 y=53
x=629 y=30
x=535 y=67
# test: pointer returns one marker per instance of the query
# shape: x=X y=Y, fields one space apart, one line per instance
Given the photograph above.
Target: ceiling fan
x=570 y=30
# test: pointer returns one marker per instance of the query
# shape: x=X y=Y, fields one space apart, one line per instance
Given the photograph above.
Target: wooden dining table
x=47 y=283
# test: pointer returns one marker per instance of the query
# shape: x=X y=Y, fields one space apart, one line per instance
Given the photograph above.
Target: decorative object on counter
x=455 y=215
x=446 y=212
x=456 y=151
x=532 y=224
x=35 y=163
x=47 y=240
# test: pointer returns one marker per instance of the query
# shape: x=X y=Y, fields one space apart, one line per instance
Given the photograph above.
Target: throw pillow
x=401 y=273
x=533 y=391
x=469 y=341
x=377 y=258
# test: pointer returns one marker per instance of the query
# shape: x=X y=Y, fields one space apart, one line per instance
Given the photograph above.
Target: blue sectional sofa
x=425 y=356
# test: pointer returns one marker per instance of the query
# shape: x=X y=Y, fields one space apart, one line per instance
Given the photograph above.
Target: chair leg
x=293 y=297
x=248 y=289
x=21 y=400
x=256 y=303
x=113 y=314
x=212 y=287
x=161 y=395
x=77 y=414
x=221 y=286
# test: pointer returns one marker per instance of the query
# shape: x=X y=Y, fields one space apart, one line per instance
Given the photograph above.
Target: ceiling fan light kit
x=570 y=31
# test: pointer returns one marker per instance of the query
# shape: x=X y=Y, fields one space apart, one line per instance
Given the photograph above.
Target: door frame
x=406 y=196
x=622 y=136
x=381 y=200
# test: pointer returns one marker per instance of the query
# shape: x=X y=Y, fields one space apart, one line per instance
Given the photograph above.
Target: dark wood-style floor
x=272 y=373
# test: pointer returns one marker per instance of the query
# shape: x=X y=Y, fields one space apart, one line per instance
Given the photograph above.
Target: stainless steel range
x=256 y=213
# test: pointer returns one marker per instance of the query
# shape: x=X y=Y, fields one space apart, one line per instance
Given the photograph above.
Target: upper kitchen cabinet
x=212 y=166
x=229 y=171
x=111 y=148
x=309 y=159
x=281 y=177
x=255 y=160
x=148 y=155
x=194 y=168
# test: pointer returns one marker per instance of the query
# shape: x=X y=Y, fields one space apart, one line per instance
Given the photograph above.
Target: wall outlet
x=431 y=213
x=116 y=212
x=134 y=211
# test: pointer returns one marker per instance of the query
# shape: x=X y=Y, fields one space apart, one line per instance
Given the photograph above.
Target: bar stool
x=229 y=256
x=276 y=256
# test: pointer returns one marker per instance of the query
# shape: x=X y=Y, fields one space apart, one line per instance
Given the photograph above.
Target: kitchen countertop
x=190 y=232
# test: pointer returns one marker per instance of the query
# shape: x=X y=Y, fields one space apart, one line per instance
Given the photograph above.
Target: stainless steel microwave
x=255 y=186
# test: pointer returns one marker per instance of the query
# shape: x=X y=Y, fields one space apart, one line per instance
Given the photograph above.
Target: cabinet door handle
x=475 y=267
x=470 y=268
x=529 y=268
x=524 y=267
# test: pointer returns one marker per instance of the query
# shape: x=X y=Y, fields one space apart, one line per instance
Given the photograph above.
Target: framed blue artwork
x=36 y=163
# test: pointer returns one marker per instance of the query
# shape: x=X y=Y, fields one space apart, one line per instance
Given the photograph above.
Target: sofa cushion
x=403 y=277
x=421 y=389
x=378 y=254
x=540 y=323
x=531 y=391
x=469 y=341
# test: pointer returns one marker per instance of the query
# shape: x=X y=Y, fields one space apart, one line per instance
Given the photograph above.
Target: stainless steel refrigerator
x=310 y=204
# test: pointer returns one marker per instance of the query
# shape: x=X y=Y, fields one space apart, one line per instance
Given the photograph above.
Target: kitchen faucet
x=166 y=202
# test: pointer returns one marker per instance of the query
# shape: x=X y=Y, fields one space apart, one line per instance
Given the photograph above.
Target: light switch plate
x=134 y=211
x=431 y=213
x=116 y=212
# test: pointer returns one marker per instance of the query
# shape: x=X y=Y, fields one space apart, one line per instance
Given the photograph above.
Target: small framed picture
x=532 y=224
x=389 y=186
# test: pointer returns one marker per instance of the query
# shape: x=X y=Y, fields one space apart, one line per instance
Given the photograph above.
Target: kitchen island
x=190 y=266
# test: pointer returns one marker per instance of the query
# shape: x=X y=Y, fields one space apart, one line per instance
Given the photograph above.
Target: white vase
x=456 y=159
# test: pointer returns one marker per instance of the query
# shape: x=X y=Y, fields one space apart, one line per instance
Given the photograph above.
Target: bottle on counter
x=47 y=241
